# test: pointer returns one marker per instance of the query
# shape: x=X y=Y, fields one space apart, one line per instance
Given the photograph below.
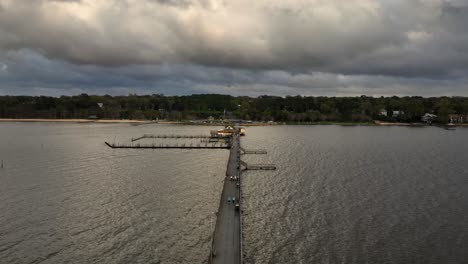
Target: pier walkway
x=178 y=137
x=227 y=248
x=169 y=146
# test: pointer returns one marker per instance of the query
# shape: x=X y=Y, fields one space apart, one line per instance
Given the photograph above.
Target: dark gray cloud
x=243 y=46
x=27 y=72
x=318 y=34
x=179 y=3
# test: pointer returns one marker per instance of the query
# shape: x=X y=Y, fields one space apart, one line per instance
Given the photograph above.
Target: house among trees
x=95 y=111
x=458 y=119
x=394 y=113
x=428 y=118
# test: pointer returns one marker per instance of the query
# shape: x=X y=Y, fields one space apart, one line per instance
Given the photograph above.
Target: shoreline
x=122 y=121
x=143 y=122
x=98 y=121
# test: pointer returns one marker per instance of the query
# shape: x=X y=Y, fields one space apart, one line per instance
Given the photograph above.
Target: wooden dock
x=169 y=146
x=226 y=246
x=247 y=166
x=260 y=167
x=180 y=137
x=214 y=139
x=257 y=151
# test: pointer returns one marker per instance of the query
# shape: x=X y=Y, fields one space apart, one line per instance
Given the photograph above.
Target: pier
x=247 y=166
x=257 y=151
x=169 y=146
x=226 y=247
x=226 y=241
x=180 y=137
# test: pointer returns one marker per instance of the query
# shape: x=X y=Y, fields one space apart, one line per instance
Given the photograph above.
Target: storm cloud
x=310 y=47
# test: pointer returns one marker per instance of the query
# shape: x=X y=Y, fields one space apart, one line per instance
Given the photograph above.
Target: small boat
x=450 y=126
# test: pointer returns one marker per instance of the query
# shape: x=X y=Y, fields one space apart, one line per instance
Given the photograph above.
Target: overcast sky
x=238 y=47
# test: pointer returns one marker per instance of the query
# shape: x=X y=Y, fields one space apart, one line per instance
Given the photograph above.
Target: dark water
x=358 y=195
x=66 y=198
x=341 y=195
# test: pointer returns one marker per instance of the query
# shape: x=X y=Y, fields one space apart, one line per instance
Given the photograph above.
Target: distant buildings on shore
x=458 y=119
x=428 y=118
x=394 y=113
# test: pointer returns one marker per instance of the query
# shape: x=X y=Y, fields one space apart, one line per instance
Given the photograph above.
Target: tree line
x=262 y=108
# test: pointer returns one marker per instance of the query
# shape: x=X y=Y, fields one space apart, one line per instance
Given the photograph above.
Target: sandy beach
x=379 y=123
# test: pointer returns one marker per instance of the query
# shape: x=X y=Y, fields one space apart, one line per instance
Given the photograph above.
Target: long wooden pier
x=226 y=246
x=169 y=146
x=179 y=137
x=227 y=237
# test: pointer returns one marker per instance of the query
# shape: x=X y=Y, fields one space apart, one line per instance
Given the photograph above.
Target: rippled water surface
x=358 y=195
x=67 y=198
x=340 y=195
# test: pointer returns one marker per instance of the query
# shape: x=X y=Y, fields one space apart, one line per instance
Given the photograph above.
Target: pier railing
x=241 y=199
